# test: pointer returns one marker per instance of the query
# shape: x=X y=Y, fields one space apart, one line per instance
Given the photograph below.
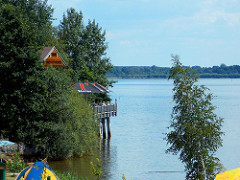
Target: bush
x=17 y=165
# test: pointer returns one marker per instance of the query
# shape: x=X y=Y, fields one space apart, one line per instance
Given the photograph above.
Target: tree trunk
x=203 y=164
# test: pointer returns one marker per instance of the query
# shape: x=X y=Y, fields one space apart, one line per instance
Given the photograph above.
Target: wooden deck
x=105 y=111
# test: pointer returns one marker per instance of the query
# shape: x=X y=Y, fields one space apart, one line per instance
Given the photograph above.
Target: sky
x=146 y=32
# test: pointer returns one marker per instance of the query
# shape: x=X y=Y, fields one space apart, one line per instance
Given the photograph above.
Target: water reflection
x=81 y=166
x=137 y=147
x=78 y=166
x=108 y=159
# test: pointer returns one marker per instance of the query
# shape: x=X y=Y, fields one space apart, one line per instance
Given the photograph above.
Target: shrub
x=17 y=165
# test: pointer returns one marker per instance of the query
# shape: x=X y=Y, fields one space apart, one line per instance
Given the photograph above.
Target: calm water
x=137 y=148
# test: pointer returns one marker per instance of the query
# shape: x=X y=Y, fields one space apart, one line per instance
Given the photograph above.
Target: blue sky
x=147 y=32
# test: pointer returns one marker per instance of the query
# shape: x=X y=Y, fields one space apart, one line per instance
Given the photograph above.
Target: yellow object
x=38 y=171
x=233 y=174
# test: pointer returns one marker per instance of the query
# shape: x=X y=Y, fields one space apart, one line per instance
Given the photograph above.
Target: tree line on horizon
x=138 y=72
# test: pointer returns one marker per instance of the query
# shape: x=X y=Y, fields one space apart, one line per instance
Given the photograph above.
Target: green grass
x=68 y=176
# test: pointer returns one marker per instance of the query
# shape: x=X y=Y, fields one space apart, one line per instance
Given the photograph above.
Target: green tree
x=65 y=125
x=95 y=46
x=196 y=130
x=86 y=46
x=38 y=13
x=37 y=106
x=70 y=32
x=18 y=61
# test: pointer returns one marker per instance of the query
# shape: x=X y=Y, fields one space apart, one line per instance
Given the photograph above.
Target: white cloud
x=213 y=10
x=118 y=34
x=209 y=17
x=218 y=3
x=205 y=18
x=231 y=18
x=125 y=43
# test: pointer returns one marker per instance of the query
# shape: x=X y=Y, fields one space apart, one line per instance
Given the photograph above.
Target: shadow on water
x=81 y=166
x=78 y=166
x=108 y=159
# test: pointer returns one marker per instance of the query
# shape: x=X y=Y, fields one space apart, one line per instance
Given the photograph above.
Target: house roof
x=48 y=50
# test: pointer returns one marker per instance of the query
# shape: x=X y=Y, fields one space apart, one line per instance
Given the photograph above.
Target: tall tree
x=95 y=46
x=86 y=46
x=18 y=61
x=70 y=32
x=196 y=130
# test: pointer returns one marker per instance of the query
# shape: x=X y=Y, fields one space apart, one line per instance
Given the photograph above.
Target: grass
x=68 y=176
x=10 y=176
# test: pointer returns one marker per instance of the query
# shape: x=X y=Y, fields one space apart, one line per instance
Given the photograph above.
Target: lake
x=137 y=147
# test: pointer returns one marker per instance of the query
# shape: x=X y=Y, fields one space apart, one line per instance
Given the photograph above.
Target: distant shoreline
x=154 y=72
x=167 y=77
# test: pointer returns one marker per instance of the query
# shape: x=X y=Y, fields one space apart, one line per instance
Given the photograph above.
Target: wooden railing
x=106 y=110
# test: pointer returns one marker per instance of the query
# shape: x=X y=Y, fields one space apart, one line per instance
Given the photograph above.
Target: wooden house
x=51 y=56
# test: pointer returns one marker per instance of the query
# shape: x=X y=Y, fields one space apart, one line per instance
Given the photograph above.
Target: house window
x=54 y=54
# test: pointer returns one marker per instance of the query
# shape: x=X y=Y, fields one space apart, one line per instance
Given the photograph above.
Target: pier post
x=108 y=127
x=104 y=128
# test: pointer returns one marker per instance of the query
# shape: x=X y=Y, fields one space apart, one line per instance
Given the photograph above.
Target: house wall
x=54 y=59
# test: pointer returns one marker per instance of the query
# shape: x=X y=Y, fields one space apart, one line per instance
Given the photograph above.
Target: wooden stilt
x=108 y=127
x=104 y=128
x=105 y=112
x=100 y=129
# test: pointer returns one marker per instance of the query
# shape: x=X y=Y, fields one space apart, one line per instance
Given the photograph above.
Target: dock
x=105 y=111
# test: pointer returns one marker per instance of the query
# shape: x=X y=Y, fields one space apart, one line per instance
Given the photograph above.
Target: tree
x=86 y=46
x=94 y=45
x=65 y=125
x=196 y=130
x=38 y=13
x=70 y=32
x=18 y=61
x=37 y=107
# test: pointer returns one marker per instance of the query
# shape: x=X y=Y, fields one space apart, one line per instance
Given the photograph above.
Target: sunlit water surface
x=137 y=147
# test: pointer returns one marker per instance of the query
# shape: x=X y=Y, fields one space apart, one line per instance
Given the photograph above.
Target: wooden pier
x=105 y=112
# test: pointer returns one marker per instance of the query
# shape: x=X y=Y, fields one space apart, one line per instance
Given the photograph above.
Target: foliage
x=70 y=32
x=37 y=13
x=37 y=106
x=69 y=176
x=86 y=47
x=65 y=125
x=18 y=62
x=138 y=72
x=96 y=168
x=123 y=177
x=17 y=165
x=94 y=45
x=163 y=72
x=195 y=129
